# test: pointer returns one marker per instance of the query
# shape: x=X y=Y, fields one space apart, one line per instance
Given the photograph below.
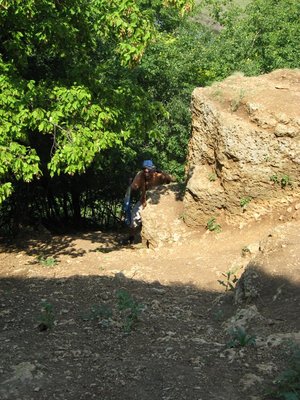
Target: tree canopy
x=59 y=108
x=91 y=87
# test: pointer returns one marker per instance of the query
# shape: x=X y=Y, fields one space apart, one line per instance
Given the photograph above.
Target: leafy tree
x=169 y=71
x=59 y=112
x=262 y=37
x=90 y=88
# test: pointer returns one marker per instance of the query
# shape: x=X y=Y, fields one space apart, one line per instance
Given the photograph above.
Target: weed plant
x=129 y=308
x=284 y=181
x=287 y=385
x=46 y=318
x=231 y=279
x=213 y=226
x=47 y=261
x=245 y=201
x=240 y=338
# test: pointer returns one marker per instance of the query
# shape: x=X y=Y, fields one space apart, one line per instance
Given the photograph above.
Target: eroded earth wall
x=244 y=153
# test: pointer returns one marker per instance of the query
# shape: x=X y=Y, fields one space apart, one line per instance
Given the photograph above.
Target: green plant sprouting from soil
x=213 y=226
x=46 y=318
x=240 y=338
x=284 y=181
x=130 y=308
x=230 y=279
x=245 y=201
x=287 y=385
x=47 y=261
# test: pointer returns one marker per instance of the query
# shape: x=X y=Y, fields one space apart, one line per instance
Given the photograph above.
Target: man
x=144 y=180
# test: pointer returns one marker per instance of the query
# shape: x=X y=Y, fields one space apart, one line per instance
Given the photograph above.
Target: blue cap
x=148 y=164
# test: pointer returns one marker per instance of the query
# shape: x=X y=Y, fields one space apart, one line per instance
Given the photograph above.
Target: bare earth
x=136 y=323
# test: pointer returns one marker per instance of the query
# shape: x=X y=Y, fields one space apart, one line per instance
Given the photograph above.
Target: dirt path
x=133 y=323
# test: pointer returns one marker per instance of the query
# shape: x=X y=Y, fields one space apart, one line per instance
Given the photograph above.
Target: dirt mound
x=244 y=152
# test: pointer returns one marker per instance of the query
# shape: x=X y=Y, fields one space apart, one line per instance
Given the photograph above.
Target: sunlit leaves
x=264 y=37
x=59 y=60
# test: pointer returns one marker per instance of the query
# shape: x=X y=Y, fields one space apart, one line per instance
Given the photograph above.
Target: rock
x=278 y=339
x=249 y=380
x=247 y=287
x=22 y=372
x=244 y=149
x=162 y=217
x=243 y=318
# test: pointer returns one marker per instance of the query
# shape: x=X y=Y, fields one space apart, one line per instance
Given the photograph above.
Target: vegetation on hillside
x=89 y=89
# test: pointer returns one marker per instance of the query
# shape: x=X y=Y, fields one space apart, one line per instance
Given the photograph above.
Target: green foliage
x=283 y=181
x=5 y=191
x=67 y=85
x=259 y=39
x=47 y=261
x=274 y=178
x=239 y=338
x=213 y=226
x=286 y=181
x=230 y=279
x=130 y=309
x=245 y=201
x=287 y=384
x=218 y=315
x=47 y=317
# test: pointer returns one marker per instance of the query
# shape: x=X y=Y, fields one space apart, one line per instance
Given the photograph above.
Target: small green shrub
x=239 y=338
x=245 y=201
x=218 y=315
x=287 y=385
x=46 y=318
x=213 y=226
x=130 y=309
x=285 y=181
x=47 y=261
x=231 y=279
x=274 y=178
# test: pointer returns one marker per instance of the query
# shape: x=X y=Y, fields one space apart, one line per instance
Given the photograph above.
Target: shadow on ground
x=117 y=338
x=36 y=244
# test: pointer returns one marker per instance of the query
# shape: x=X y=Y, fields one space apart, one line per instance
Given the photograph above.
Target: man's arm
x=138 y=183
x=163 y=177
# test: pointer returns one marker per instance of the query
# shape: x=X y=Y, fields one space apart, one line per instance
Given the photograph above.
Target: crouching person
x=146 y=179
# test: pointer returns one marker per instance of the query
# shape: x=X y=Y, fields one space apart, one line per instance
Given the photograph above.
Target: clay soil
x=85 y=318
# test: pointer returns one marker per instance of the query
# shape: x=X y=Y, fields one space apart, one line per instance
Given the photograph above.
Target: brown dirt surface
x=85 y=318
